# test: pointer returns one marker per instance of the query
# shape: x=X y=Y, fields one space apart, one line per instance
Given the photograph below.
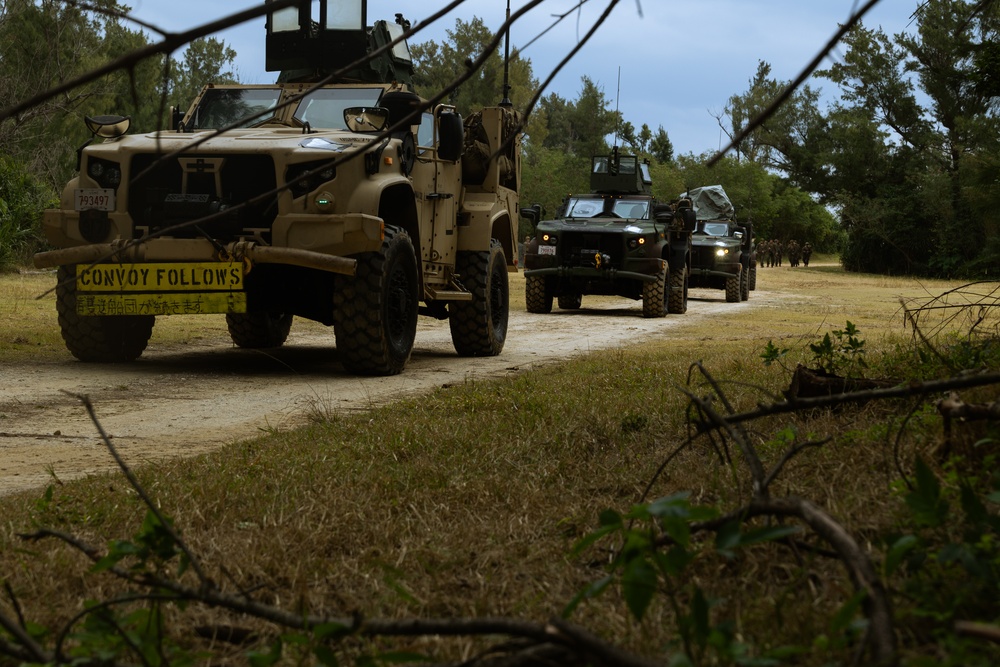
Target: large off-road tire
x=570 y=301
x=537 y=295
x=733 y=286
x=744 y=284
x=479 y=327
x=677 y=299
x=259 y=330
x=753 y=277
x=375 y=312
x=104 y=339
x=654 y=295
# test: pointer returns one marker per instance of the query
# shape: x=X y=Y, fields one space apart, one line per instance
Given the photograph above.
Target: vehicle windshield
x=324 y=108
x=590 y=207
x=715 y=228
x=603 y=164
x=222 y=107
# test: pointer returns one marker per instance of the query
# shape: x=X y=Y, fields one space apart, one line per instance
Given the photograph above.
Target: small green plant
x=948 y=555
x=657 y=546
x=842 y=354
x=772 y=353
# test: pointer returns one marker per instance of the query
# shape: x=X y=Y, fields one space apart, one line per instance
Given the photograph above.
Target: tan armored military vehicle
x=337 y=195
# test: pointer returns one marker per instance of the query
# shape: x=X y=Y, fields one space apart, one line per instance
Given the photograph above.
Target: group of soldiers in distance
x=772 y=251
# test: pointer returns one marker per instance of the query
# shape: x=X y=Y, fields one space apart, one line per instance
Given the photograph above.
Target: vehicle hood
x=717 y=241
x=250 y=140
x=602 y=225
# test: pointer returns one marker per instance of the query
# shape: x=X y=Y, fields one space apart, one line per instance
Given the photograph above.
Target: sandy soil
x=194 y=398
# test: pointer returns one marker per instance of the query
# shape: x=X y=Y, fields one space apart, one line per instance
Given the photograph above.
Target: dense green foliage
x=907 y=155
x=44 y=43
x=22 y=199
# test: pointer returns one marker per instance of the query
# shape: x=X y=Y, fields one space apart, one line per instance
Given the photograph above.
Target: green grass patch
x=469 y=501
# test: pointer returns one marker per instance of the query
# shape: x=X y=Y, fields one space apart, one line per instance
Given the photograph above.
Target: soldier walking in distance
x=793 y=252
x=807 y=251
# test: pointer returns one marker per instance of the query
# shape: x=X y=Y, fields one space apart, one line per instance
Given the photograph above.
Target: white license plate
x=546 y=250
x=100 y=199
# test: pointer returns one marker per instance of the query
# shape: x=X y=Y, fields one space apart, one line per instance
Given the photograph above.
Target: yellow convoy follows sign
x=161 y=289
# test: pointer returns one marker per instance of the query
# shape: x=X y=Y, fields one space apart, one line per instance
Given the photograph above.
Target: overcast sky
x=679 y=60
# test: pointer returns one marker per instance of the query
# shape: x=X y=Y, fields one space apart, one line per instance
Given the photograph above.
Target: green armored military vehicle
x=336 y=194
x=722 y=253
x=617 y=240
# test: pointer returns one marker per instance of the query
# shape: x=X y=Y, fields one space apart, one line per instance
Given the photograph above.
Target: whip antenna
x=505 y=102
x=618 y=93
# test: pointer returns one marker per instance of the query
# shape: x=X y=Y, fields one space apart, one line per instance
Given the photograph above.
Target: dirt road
x=185 y=400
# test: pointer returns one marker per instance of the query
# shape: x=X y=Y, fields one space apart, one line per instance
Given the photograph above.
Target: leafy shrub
x=22 y=199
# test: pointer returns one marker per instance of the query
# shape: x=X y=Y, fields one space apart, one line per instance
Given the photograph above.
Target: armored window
x=425 y=134
x=716 y=229
x=583 y=208
x=222 y=107
x=285 y=20
x=644 y=172
x=401 y=51
x=630 y=208
x=342 y=15
x=324 y=107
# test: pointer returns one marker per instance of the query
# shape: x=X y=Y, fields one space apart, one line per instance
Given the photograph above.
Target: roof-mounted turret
x=621 y=174
x=306 y=45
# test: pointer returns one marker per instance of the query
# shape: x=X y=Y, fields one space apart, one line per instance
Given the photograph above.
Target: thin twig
x=134 y=482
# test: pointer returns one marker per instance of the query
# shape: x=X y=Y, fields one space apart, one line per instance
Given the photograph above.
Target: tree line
x=898 y=173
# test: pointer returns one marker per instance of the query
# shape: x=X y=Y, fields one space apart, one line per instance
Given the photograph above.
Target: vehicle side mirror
x=108 y=127
x=452 y=143
x=532 y=213
x=366 y=119
x=663 y=213
x=175 y=122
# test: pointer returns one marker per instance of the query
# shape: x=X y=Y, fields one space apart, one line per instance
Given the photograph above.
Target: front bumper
x=717 y=271
x=642 y=269
x=193 y=250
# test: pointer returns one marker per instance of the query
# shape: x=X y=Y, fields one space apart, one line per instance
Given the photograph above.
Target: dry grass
x=467 y=502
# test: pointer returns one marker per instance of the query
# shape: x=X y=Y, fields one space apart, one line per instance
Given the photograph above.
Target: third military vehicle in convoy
x=722 y=251
x=616 y=240
x=336 y=194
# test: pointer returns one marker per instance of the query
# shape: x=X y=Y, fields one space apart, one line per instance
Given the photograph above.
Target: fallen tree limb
x=900 y=391
x=955 y=408
x=978 y=630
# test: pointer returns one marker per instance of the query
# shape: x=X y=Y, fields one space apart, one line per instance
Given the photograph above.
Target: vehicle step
x=449 y=295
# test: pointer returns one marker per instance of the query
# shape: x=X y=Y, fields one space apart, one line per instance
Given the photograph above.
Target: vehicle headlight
x=636 y=242
x=550 y=239
x=306 y=177
x=722 y=252
x=108 y=174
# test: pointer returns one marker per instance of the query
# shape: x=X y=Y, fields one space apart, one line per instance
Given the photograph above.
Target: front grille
x=579 y=249
x=160 y=199
x=703 y=256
